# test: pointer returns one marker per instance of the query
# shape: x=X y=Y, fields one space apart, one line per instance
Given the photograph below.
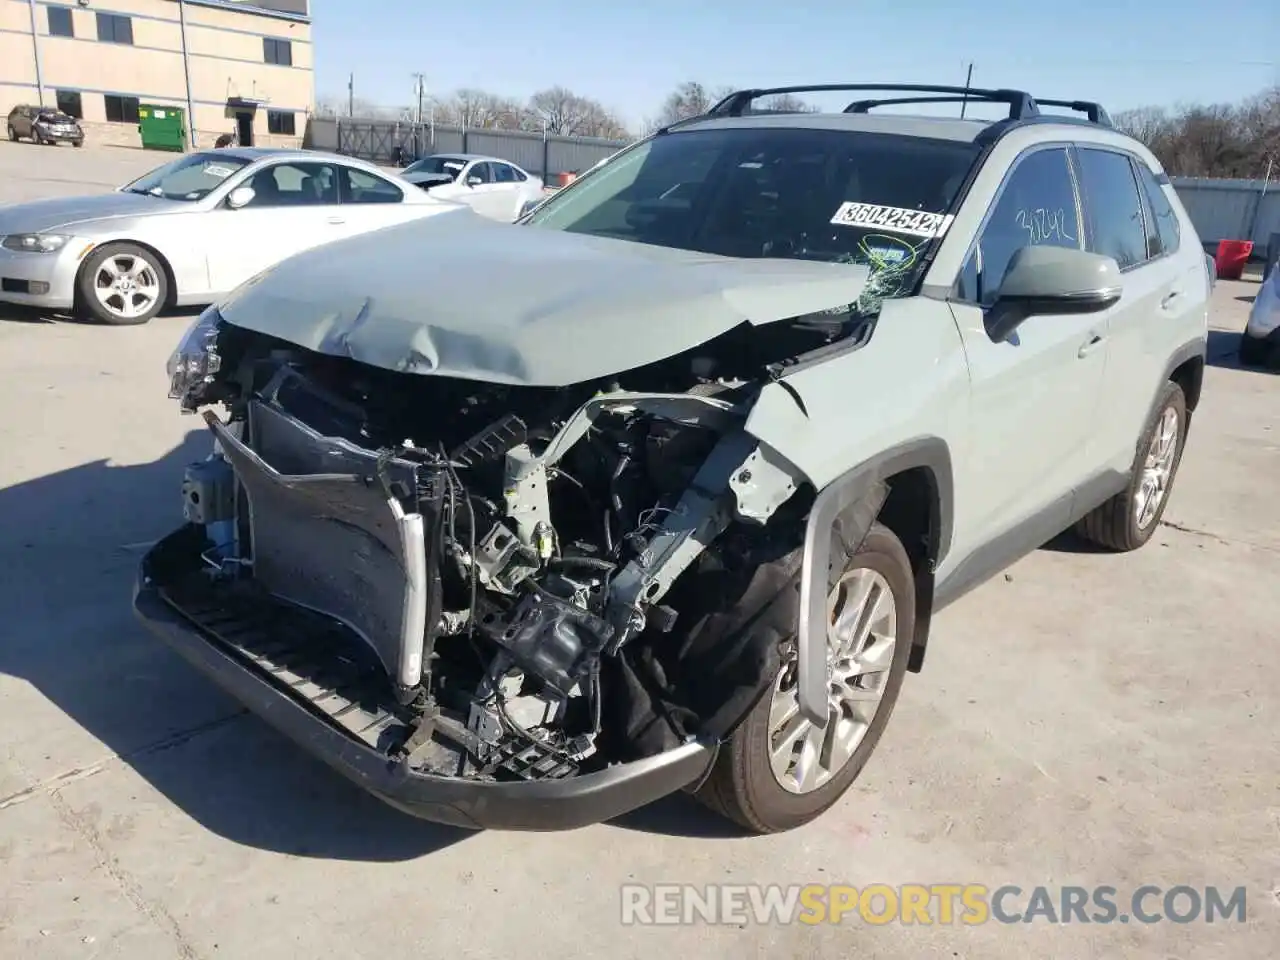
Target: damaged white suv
x=659 y=488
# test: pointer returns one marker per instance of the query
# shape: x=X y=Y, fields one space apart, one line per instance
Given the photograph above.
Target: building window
x=113 y=28
x=60 y=24
x=277 y=51
x=281 y=122
x=121 y=109
x=69 y=103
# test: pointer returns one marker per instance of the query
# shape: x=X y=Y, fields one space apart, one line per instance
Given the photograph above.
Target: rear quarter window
x=1166 y=219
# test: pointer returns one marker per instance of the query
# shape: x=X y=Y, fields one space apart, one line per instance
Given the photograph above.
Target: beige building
x=235 y=66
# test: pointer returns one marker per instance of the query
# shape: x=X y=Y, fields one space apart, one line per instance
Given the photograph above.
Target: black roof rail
x=864 y=106
x=1021 y=104
x=1094 y=111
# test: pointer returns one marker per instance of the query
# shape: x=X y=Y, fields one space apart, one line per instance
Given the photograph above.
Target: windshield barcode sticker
x=918 y=223
x=219 y=171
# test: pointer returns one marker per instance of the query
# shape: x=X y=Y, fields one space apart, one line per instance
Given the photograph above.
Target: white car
x=492 y=187
x=1260 y=342
x=193 y=230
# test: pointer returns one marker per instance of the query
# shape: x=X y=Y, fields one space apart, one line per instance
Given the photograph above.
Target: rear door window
x=1113 y=206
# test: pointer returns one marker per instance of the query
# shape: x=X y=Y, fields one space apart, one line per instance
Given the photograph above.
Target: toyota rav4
x=660 y=488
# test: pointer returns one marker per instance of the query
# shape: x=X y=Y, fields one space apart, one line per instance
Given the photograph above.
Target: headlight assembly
x=196 y=359
x=34 y=242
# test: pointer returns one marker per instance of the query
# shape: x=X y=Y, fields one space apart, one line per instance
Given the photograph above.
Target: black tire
x=742 y=785
x=88 y=300
x=13 y=134
x=1114 y=524
x=1254 y=352
x=79 y=144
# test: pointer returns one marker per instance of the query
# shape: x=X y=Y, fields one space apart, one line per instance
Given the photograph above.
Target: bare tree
x=561 y=111
x=1216 y=140
x=785 y=103
x=479 y=109
x=689 y=99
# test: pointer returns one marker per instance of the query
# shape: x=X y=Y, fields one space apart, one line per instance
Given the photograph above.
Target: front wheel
x=1127 y=521
x=13 y=134
x=122 y=284
x=778 y=770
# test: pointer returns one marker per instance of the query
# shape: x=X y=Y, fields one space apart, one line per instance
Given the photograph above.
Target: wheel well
x=171 y=283
x=1190 y=376
x=912 y=511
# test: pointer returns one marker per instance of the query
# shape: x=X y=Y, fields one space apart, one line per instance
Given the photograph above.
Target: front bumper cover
x=475 y=804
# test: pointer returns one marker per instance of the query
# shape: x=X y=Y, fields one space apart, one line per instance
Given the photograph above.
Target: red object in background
x=567 y=178
x=1231 y=257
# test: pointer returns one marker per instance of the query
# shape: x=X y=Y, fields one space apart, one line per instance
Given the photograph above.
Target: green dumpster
x=162 y=128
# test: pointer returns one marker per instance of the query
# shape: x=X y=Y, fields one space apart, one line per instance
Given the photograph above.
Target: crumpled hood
x=45 y=215
x=464 y=296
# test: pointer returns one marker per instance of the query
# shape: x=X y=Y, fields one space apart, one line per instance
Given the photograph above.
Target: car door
x=370 y=202
x=1035 y=397
x=509 y=190
x=1129 y=219
x=295 y=207
x=480 y=191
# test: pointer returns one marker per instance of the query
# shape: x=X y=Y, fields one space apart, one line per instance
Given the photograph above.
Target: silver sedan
x=193 y=230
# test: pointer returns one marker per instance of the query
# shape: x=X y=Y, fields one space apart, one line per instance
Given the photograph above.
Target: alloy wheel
x=1157 y=470
x=126 y=286
x=861 y=639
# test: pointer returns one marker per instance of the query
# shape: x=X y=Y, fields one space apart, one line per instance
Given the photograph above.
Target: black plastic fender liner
x=839 y=520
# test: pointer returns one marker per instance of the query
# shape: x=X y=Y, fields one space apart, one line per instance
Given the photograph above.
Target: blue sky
x=630 y=53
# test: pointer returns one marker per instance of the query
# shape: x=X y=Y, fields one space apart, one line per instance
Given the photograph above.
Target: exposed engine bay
x=550 y=579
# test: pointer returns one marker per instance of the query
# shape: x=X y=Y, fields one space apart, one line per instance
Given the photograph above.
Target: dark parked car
x=44 y=125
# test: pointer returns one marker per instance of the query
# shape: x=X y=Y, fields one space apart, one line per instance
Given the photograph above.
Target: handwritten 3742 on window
x=1045 y=226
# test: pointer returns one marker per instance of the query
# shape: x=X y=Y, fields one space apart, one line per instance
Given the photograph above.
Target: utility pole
x=419 y=89
x=968 y=81
x=351 y=95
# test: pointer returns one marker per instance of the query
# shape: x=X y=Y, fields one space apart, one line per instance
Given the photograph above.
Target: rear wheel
x=1127 y=520
x=122 y=284
x=778 y=770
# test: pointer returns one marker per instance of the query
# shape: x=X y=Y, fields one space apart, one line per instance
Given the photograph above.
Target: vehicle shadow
x=70 y=550
x=1248 y=299
x=679 y=815
x=1224 y=351
x=13 y=313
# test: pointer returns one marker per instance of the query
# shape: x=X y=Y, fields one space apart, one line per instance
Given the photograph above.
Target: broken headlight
x=196 y=359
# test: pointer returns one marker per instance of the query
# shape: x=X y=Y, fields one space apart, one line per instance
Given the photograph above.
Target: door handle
x=337 y=220
x=1095 y=339
x=1169 y=299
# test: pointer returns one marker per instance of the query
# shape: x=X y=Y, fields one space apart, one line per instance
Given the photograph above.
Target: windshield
x=54 y=118
x=449 y=166
x=840 y=196
x=190 y=178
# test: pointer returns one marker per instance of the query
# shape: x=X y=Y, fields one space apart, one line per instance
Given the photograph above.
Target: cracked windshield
x=863 y=198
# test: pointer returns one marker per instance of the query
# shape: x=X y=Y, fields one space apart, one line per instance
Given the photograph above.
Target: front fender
x=839 y=520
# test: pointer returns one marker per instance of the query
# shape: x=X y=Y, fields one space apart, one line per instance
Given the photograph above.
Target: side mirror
x=240 y=197
x=474 y=181
x=1052 y=280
